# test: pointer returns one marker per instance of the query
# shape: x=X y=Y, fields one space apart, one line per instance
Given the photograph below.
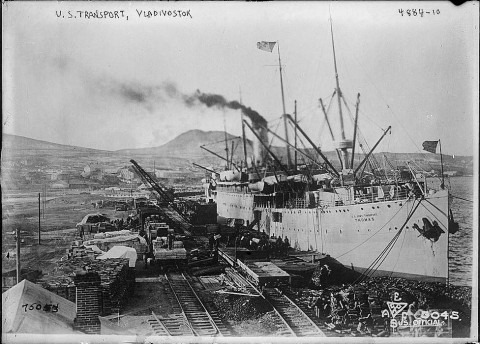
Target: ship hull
x=382 y=237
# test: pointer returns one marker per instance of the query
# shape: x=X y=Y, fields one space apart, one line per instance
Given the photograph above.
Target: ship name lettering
x=364 y=217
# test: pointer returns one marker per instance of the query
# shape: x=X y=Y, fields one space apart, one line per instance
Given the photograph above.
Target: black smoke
x=218 y=101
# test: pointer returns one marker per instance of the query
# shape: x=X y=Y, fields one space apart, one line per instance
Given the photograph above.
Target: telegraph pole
x=295 y=112
x=39 y=215
x=18 y=256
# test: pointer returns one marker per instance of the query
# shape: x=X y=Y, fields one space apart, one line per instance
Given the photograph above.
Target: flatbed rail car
x=264 y=274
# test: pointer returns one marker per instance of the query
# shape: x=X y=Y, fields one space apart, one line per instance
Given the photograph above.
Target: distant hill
x=21 y=143
x=186 y=148
x=187 y=145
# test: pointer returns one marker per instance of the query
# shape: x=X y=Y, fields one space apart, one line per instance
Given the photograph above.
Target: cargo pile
x=78 y=250
x=88 y=230
x=241 y=308
x=174 y=254
x=357 y=309
x=105 y=241
x=161 y=251
x=117 y=280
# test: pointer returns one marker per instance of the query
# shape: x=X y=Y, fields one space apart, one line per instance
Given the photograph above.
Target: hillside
x=21 y=143
x=185 y=148
x=187 y=145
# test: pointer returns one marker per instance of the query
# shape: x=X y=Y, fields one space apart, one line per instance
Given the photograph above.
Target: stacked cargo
x=106 y=241
x=161 y=252
x=178 y=244
x=117 y=280
x=90 y=229
x=78 y=250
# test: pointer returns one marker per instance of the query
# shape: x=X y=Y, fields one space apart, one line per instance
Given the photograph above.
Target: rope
x=399 y=252
x=386 y=251
x=386 y=223
x=463 y=199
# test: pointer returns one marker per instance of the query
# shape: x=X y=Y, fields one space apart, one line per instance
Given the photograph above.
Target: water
x=461 y=243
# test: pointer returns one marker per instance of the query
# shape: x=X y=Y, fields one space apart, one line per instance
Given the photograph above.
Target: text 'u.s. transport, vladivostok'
x=123 y=14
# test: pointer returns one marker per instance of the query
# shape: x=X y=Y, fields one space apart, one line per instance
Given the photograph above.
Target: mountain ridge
x=18 y=142
x=187 y=145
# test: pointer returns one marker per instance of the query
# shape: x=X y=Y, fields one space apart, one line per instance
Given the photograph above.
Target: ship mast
x=344 y=144
x=226 y=139
x=289 y=159
x=244 y=140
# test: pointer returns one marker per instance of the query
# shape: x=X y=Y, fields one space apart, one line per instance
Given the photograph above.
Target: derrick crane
x=170 y=210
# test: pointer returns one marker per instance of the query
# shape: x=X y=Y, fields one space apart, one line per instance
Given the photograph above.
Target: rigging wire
x=463 y=199
x=386 y=251
x=303 y=144
x=363 y=242
x=223 y=141
x=389 y=109
x=399 y=253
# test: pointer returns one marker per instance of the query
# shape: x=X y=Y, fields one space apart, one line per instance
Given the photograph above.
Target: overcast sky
x=118 y=83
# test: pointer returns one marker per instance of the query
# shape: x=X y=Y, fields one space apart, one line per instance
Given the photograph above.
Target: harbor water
x=461 y=243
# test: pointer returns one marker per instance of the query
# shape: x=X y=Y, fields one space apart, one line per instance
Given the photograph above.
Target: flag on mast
x=430 y=146
x=267 y=46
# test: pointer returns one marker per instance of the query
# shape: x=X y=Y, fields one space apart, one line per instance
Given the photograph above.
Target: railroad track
x=296 y=319
x=174 y=325
x=283 y=327
x=191 y=307
x=289 y=319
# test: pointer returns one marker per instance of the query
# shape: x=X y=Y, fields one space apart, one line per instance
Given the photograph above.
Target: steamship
x=383 y=222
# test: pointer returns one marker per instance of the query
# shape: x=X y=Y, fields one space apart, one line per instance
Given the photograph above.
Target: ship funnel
x=258 y=148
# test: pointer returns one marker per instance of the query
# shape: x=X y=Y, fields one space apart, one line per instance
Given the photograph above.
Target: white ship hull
x=357 y=234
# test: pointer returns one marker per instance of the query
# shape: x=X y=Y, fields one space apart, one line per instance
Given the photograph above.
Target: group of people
x=117 y=223
x=275 y=246
x=345 y=310
x=132 y=221
x=129 y=223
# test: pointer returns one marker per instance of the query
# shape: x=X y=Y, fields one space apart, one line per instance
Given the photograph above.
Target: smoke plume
x=216 y=100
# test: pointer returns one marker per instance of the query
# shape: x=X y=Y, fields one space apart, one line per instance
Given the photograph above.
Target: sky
x=115 y=83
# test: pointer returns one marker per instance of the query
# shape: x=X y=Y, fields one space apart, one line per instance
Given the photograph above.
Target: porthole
x=388 y=205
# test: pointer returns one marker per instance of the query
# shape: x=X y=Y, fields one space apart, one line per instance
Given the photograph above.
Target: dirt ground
x=62 y=213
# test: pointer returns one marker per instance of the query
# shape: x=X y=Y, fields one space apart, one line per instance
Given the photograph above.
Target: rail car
x=264 y=274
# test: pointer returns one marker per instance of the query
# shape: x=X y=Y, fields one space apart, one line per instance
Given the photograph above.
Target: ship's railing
x=233 y=188
x=302 y=203
x=399 y=194
x=297 y=203
x=374 y=197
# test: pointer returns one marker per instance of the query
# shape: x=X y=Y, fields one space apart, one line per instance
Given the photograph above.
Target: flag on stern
x=267 y=46
x=430 y=146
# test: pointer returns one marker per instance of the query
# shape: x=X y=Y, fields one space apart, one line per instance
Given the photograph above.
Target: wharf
x=243 y=254
x=260 y=272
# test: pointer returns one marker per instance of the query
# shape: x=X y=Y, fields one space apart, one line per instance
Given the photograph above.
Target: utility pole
x=39 y=218
x=44 y=199
x=18 y=256
x=289 y=159
x=442 y=186
x=295 y=136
